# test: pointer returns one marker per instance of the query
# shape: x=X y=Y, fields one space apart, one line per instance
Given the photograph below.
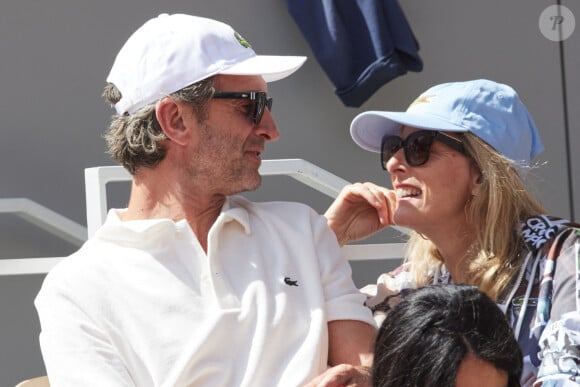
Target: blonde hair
x=495 y=212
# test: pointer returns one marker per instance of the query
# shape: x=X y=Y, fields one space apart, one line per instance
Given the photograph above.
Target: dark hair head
x=136 y=140
x=423 y=340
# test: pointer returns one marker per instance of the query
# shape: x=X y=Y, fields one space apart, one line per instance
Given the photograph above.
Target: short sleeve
x=343 y=300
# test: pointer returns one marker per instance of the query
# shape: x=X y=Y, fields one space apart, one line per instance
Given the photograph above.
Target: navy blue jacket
x=360 y=44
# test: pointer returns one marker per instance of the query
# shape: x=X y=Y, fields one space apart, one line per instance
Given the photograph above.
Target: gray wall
x=57 y=53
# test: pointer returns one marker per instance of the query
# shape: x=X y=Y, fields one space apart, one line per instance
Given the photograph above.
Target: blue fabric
x=360 y=44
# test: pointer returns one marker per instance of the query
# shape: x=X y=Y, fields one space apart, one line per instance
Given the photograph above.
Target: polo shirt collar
x=234 y=209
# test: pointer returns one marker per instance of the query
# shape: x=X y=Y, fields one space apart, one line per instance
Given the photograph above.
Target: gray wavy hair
x=136 y=140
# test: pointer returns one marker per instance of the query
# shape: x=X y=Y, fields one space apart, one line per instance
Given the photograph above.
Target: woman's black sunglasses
x=258 y=99
x=417 y=146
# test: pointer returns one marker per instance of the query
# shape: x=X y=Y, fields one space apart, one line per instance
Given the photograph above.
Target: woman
x=457 y=158
x=446 y=336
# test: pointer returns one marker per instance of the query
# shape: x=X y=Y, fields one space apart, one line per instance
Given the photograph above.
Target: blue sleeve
x=360 y=44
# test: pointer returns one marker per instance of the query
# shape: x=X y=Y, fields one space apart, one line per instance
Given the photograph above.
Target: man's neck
x=153 y=198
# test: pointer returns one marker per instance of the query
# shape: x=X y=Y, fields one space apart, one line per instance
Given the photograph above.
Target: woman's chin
x=404 y=218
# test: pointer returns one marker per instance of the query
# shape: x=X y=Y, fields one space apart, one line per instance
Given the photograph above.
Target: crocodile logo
x=290 y=282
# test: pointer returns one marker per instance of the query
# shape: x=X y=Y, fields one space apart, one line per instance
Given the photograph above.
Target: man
x=190 y=285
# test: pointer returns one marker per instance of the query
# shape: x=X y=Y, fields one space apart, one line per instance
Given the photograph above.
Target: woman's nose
x=397 y=161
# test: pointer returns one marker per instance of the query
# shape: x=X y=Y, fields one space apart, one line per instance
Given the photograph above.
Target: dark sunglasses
x=417 y=146
x=258 y=102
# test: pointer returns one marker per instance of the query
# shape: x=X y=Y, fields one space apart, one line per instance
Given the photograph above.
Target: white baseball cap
x=490 y=110
x=170 y=52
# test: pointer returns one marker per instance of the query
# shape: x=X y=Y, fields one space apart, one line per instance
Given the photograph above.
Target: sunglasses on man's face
x=258 y=102
x=417 y=146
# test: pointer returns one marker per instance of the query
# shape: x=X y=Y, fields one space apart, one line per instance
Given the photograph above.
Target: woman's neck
x=457 y=251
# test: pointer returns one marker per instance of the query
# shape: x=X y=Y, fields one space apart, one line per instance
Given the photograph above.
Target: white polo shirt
x=141 y=303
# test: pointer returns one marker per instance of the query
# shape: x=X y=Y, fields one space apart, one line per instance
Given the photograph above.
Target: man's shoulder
x=73 y=275
x=81 y=265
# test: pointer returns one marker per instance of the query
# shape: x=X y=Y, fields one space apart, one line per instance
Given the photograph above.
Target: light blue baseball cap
x=492 y=111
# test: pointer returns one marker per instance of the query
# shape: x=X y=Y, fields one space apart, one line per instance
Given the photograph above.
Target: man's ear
x=172 y=117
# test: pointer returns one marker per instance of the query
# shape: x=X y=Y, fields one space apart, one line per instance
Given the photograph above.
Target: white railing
x=27 y=266
x=97 y=178
x=45 y=218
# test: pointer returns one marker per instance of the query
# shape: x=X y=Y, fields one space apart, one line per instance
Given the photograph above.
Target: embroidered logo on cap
x=242 y=41
x=422 y=99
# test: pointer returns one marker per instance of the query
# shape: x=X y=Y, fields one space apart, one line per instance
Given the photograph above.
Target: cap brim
x=368 y=128
x=270 y=67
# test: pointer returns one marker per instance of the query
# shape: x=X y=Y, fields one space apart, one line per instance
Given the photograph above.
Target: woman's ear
x=172 y=117
x=475 y=189
x=476 y=180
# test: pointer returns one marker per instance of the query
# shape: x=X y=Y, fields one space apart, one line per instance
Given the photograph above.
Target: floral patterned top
x=543 y=304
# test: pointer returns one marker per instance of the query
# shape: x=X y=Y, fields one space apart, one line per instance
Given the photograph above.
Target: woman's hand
x=360 y=210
